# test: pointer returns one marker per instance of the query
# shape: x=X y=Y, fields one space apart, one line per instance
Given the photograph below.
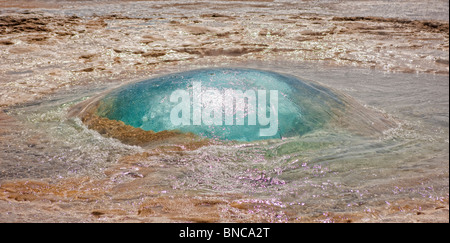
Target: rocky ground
x=43 y=50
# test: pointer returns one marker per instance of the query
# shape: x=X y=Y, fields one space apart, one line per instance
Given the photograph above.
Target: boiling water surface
x=228 y=104
x=343 y=167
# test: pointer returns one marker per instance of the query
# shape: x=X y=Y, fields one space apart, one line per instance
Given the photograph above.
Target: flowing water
x=342 y=168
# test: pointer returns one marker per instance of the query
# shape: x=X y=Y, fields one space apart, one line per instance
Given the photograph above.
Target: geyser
x=223 y=103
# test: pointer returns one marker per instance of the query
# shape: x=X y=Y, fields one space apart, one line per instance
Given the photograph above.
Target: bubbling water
x=282 y=103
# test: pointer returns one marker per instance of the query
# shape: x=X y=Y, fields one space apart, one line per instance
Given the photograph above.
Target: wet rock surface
x=52 y=46
x=44 y=51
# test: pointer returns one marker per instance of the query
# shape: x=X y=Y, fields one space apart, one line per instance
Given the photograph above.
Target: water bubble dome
x=223 y=103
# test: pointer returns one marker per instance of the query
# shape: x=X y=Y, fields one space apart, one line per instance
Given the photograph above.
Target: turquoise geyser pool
x=230 y=104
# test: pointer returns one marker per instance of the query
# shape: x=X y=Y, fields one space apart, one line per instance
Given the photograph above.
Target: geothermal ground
x=48 y=47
